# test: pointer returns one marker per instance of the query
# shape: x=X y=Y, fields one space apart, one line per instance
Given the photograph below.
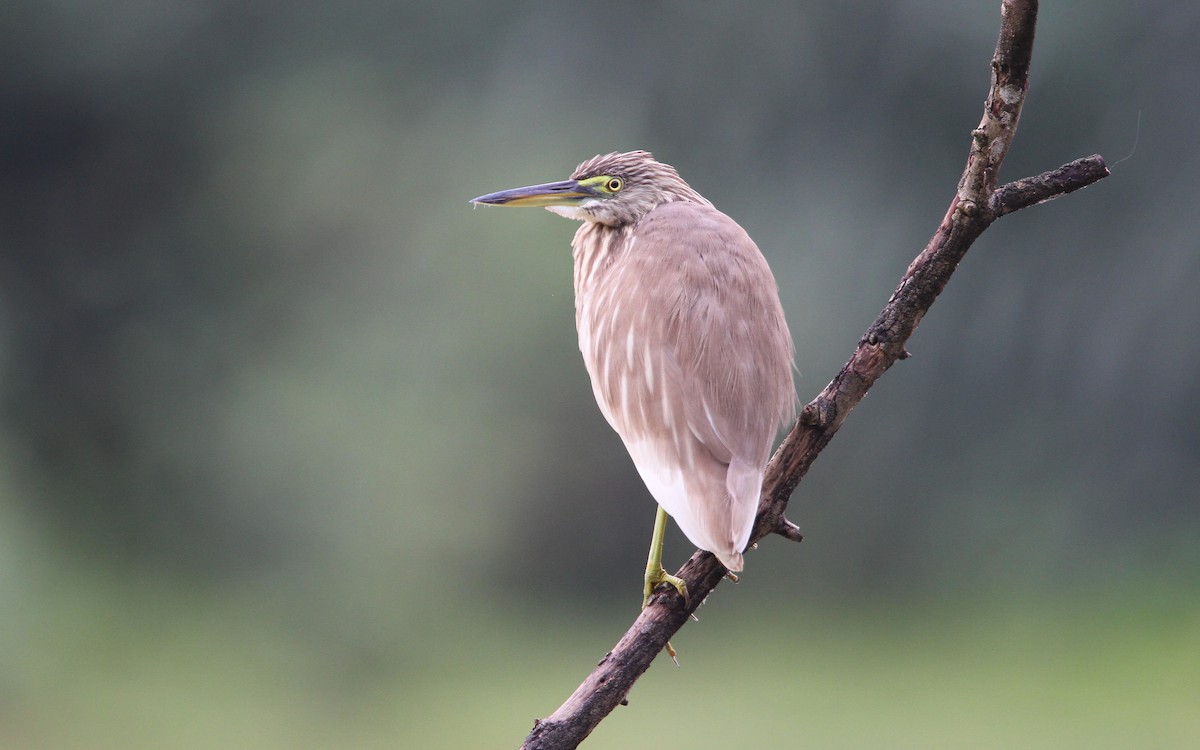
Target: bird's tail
x=743 y=482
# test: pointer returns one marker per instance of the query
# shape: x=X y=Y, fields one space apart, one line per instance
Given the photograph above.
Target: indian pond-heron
x=684 y=338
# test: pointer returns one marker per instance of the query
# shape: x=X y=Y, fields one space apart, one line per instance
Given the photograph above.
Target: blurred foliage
x=296 y=445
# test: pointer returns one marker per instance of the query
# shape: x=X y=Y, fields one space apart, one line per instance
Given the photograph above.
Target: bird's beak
x=565 y=193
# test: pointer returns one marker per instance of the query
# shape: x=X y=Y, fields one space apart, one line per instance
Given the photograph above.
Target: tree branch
x=976 y=204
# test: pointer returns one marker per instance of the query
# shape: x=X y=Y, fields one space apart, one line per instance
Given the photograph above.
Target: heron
x=684 y=340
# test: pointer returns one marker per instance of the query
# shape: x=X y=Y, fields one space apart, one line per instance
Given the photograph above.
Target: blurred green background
x=297 y=450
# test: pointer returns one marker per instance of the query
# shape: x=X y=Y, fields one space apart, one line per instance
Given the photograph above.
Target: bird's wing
x=691 y=363
x=725 y=328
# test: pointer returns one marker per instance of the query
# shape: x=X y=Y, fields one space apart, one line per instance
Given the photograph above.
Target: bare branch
x=1048 y=185
x=976 y=204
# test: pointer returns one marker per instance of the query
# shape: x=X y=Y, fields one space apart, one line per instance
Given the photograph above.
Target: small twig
x=976 y=204
x=1047 y=186
x=788 y=530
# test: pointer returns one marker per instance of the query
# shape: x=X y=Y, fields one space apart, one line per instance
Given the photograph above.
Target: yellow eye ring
x=614 y=184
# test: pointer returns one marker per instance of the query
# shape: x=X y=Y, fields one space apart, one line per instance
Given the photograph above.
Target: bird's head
x=615 y=189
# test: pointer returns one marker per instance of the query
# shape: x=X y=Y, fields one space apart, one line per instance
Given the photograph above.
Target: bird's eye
x=614 y=184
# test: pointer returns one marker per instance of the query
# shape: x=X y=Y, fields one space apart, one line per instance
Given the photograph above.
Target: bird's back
x=684 y=338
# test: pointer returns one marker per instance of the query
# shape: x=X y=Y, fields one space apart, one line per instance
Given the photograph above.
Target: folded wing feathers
x=690 y=361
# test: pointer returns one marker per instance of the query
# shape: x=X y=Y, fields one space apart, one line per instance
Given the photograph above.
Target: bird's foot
x=656 y=575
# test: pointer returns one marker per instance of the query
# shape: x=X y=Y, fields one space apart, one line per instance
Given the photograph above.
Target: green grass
x=1090 y=673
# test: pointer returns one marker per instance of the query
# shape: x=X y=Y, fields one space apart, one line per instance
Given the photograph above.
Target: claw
x=671 y=653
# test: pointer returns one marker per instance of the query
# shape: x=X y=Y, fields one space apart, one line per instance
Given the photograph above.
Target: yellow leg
x=655 y=573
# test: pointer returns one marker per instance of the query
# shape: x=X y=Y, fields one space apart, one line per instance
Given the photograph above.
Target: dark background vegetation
x=297 y=450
